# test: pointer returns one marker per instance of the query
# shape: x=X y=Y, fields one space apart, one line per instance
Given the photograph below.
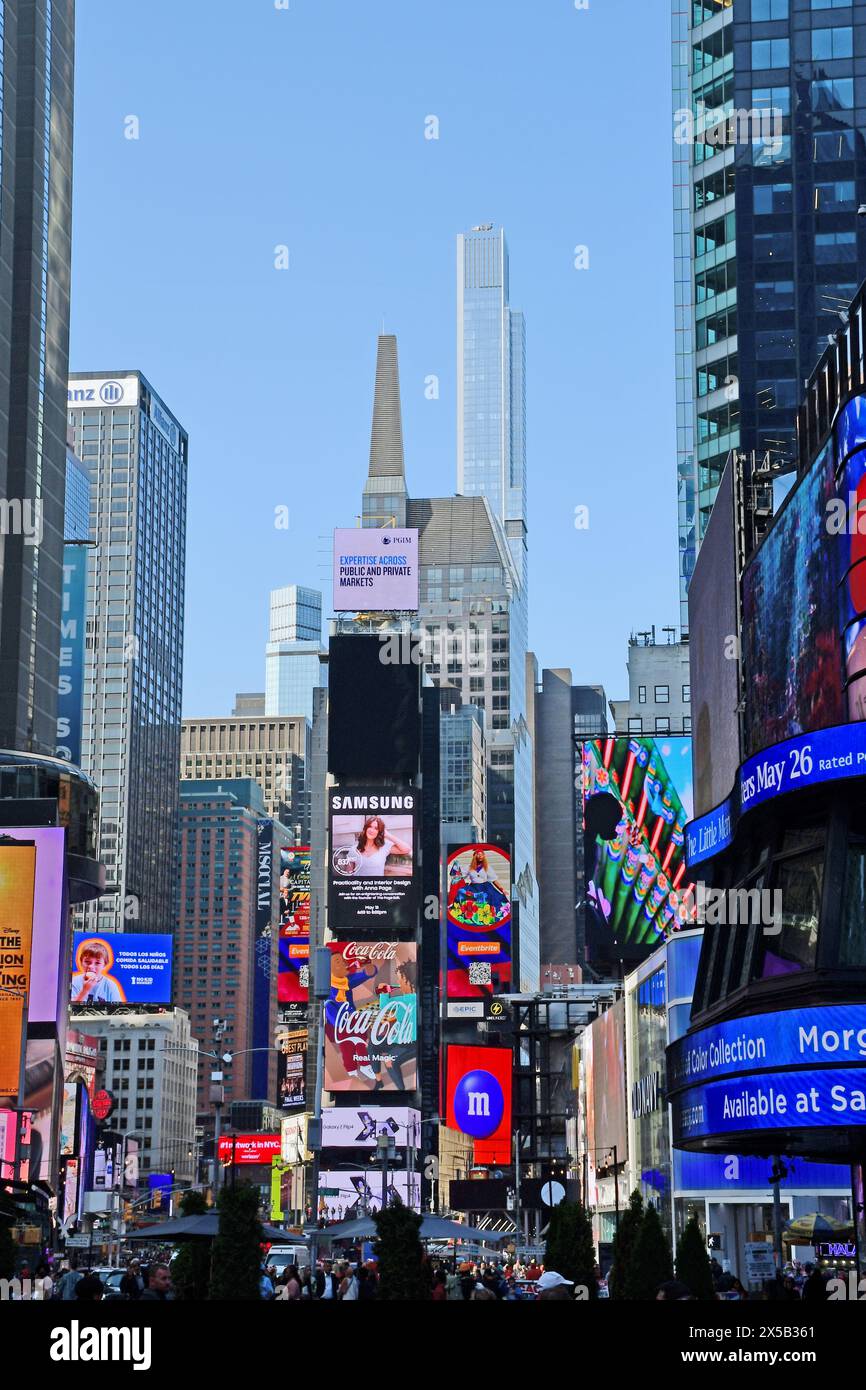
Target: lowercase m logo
x=479 y=1104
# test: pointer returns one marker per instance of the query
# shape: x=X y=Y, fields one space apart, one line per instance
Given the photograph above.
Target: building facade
x=272 y=752
x=293 y=658
x=36 y=79
x=150 y=1061
x=770 y=170
x=215 y=938
x=659 y=689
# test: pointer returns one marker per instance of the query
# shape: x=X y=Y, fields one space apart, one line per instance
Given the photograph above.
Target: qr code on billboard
x=480 y=972
x=304 y=977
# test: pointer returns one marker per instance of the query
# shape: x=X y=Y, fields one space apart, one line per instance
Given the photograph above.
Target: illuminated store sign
x=819 y=1037
x=813 y=1099
x=828 y=755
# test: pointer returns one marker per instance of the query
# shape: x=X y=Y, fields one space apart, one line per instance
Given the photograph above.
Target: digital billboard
x=345 y=1195
x=293 y=975
x=851 y=469
x=347 y=1128
x=263 y=958
x=793 y=668
x=375 y=571
x=249 y=1148
x=291 y=1046
x=371 y=1017
x=479 y=1099
x=374 y=711
x=371 y=873
x=47 y=997
x=636 y=893
x=713 y=625
x=479 y=921
x=609 y=1101
x=121 y=968
x=17 y=896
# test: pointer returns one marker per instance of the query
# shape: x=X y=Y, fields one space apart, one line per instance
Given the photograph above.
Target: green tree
x=190 y=1271
x=623 y=1245
x=236 y=1263
x=693 y=1262
x=651 y=1263
x=570 y=1249
x=403 y=1271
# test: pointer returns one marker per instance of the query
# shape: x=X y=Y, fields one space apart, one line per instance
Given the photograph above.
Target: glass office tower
x=36 y=77
x=768 y=180
x=491 y=463
x=136 y=453
x=293 y=668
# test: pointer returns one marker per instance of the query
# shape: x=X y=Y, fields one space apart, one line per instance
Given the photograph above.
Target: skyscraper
x=136 y=453
x=770 y=171
x=473 y=615
x=491 y=463
x=36 y=61
x=293 y=665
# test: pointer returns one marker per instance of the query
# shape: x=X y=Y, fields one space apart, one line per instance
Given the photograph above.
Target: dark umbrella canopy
x=205 y=1227
x=432 y=1228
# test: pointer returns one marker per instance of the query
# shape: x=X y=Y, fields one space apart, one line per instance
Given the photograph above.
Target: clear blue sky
x=305 y=127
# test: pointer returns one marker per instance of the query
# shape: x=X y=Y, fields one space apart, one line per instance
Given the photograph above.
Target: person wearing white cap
x=554 y=1286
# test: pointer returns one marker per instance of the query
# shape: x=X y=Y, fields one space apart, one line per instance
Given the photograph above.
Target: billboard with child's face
x=120 y=968
x=371 y=1017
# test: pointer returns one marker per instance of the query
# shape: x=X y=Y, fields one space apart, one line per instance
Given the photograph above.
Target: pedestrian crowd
x=350 y=1281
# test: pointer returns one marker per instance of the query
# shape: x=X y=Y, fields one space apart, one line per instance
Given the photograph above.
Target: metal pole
x=316 y=1145
x=217 y=1130
x=777 y=1213
x=517 y=1181
x=615 y=1187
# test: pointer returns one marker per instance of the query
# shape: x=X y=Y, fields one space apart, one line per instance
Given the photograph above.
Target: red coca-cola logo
x=366 y=950
x=102 y=1105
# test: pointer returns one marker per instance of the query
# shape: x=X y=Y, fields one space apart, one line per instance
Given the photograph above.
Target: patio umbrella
x=432 y=1228
x=805 y=1229
x=205 y=1227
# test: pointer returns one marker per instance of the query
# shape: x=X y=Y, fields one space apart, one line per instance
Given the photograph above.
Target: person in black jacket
x=814 y=1289
x=132 y=1283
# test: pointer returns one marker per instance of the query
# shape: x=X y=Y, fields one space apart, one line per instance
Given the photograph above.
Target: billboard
x=70 y=680
x=713 y=623
x=384 y=699
x=375 y=571
x=636 y=893
x=345 y=1195
x=121 y=968
x=17 y=897
x=293 y=1139
x=479 y=1099
x=249 y=1148
x=371 y=870
x=609 y=1085
x=50 y=941
x=359 y=1129
x=291 y=1046
x=263 y=958
x=479 y=921
x=851 y=470
x=371 y=1017
x=293 y=970
x=93 y=392
x=793 y=670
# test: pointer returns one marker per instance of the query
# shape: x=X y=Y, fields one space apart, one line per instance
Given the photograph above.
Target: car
x=110 y=1279
x=281 y=1256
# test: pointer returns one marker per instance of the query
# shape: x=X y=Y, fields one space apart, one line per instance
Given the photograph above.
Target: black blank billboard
x=373 y=711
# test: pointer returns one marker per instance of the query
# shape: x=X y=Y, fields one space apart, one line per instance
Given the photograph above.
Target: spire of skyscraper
x=384 y=501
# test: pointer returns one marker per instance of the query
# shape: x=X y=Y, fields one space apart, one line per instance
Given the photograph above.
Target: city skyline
x=294 y=350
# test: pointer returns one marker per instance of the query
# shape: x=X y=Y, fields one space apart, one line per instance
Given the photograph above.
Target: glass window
x=771 y=53
x=833 y=94
x=852 y=944
x=635 y=726
x=769 y=9
x=773 y=197
x=831 y=4
x=836 y=197
x=687 y=694
x=797 y=893
x=662 y=694
x=641 y=694
x=832 y=43
x=663 y=724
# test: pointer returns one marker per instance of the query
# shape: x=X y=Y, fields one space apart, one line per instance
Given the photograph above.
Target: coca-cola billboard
x=372 y=871
x=371 y=1017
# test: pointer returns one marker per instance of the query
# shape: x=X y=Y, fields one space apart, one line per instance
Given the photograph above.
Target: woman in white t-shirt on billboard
x=373 y=848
